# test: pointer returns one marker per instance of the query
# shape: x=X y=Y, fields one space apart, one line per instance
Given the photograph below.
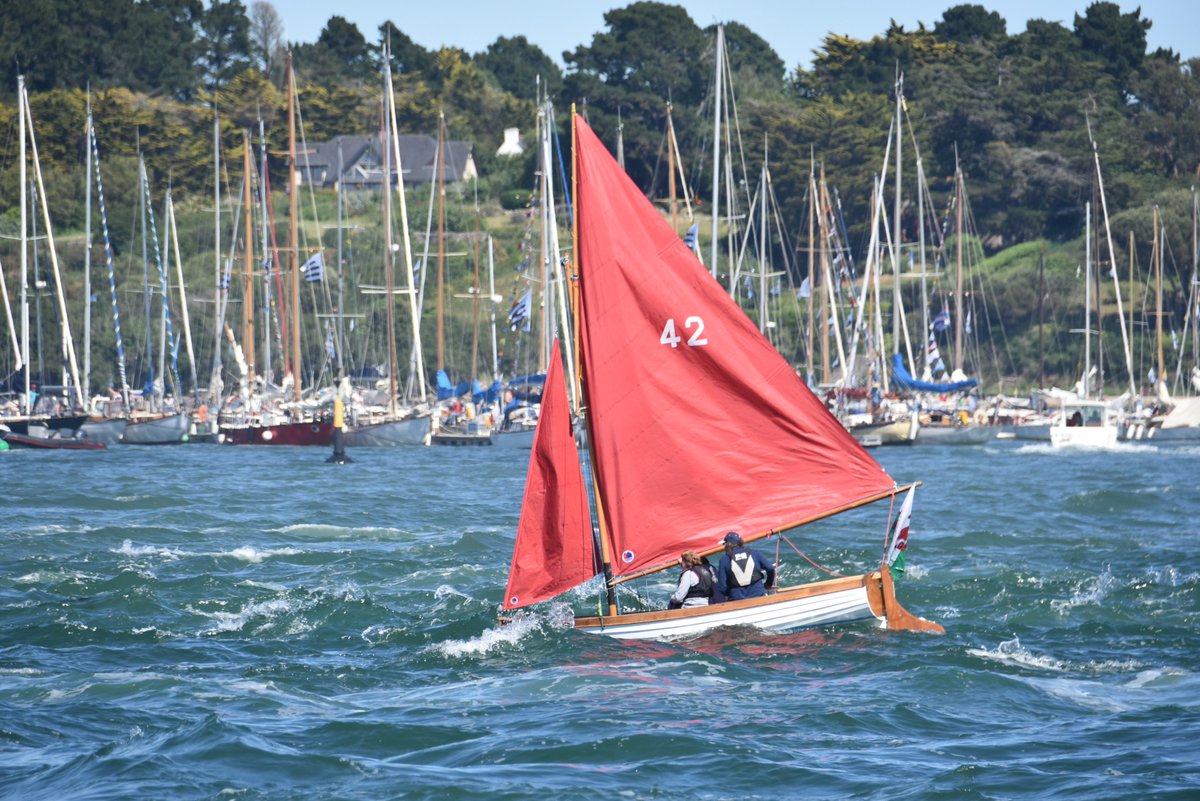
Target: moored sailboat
x=679 y=387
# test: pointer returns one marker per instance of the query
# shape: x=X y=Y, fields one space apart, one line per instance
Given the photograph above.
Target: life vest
x=743 y=569
x=703 y=588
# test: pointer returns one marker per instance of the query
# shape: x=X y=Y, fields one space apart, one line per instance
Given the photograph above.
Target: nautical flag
x=942 y=321
x=524 y=263
x=933 y=357
x=748 y=285
x=1174 y=339
x=519 y=313
x=805 y=289
x=775 y=290
x=314 y=268
x=416 y=268
x=692 y=236
x=1153 y=376
x=329 y=346
x=967 y=323
x=895 y=554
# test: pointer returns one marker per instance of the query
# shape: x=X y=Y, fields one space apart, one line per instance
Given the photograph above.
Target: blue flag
x=692 y=236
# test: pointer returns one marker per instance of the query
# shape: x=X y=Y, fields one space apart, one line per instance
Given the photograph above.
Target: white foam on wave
x=224 y=622
x=1090 y=593
x=245 y=553
x=129 y=549
x=249 y=553
x=522 y=625
x=1012 y=652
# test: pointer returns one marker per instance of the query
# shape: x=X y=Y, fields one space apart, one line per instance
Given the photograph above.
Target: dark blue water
x=203 y=622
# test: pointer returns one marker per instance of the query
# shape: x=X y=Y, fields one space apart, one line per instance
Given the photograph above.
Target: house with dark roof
x=362 y=162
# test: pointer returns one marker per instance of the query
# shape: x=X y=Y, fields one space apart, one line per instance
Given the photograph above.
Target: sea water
x=210 y=622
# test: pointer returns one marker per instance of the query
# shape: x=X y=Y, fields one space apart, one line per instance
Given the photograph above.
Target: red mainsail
x=698 y=425
x=554 y=551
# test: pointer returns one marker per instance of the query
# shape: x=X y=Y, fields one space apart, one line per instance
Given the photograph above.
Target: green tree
x=969 y=23
x=517 y=65
x=224 y=42
x=1117 y=40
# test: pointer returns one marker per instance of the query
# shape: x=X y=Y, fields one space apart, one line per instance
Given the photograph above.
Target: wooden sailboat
x=696 y=426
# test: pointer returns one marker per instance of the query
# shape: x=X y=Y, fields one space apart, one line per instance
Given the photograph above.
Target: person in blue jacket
x=743 y=573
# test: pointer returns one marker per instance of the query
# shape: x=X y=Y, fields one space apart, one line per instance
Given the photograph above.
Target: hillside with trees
x=1016 y=111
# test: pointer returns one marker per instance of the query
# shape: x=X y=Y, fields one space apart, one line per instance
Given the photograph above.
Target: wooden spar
x=601 y=518
x=879 y=496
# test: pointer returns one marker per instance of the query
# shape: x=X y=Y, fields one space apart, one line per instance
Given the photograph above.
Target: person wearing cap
x=743 y=573
x=695 y=583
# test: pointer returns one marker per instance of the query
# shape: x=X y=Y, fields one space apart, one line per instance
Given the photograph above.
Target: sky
x=794 y=28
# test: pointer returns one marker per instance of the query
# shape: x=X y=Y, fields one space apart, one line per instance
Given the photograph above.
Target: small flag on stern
x=895 y=554
x=314 y=268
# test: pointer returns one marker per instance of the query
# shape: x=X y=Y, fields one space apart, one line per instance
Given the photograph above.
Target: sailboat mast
x=1087 y=302
x=293 y=237
x=28 y=408
x=341 y=316
x=812 y=254
x=492 y=306
x=248 y=273
x=897 y=231
x=824 y=278
x=263 y=245
x=543 y=258
x=1159 y=244
x=671 y=169
x=187 y=320
x=958 y=269
x=601 y=531
x=417 y=362
x=1041 y=315
x=65 y=321
x=441 y=211
x=389 y=269
x=87 y=253
x=218 y=308
x=148 y=342
x=475 y=295
x=718 y=83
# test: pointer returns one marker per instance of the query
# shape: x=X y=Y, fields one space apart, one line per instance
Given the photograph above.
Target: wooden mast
x=293 y=239
x=248 y=272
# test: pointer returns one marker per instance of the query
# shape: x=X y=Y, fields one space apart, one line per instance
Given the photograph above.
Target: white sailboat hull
x=411 y=431
x=167 y=430
x=843 y=600
x=520 y=439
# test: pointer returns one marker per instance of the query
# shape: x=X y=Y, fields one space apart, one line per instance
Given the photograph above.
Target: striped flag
x=314 y=268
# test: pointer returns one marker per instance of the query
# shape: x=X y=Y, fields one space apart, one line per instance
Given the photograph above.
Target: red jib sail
x=554 y=551
x=699 y=426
